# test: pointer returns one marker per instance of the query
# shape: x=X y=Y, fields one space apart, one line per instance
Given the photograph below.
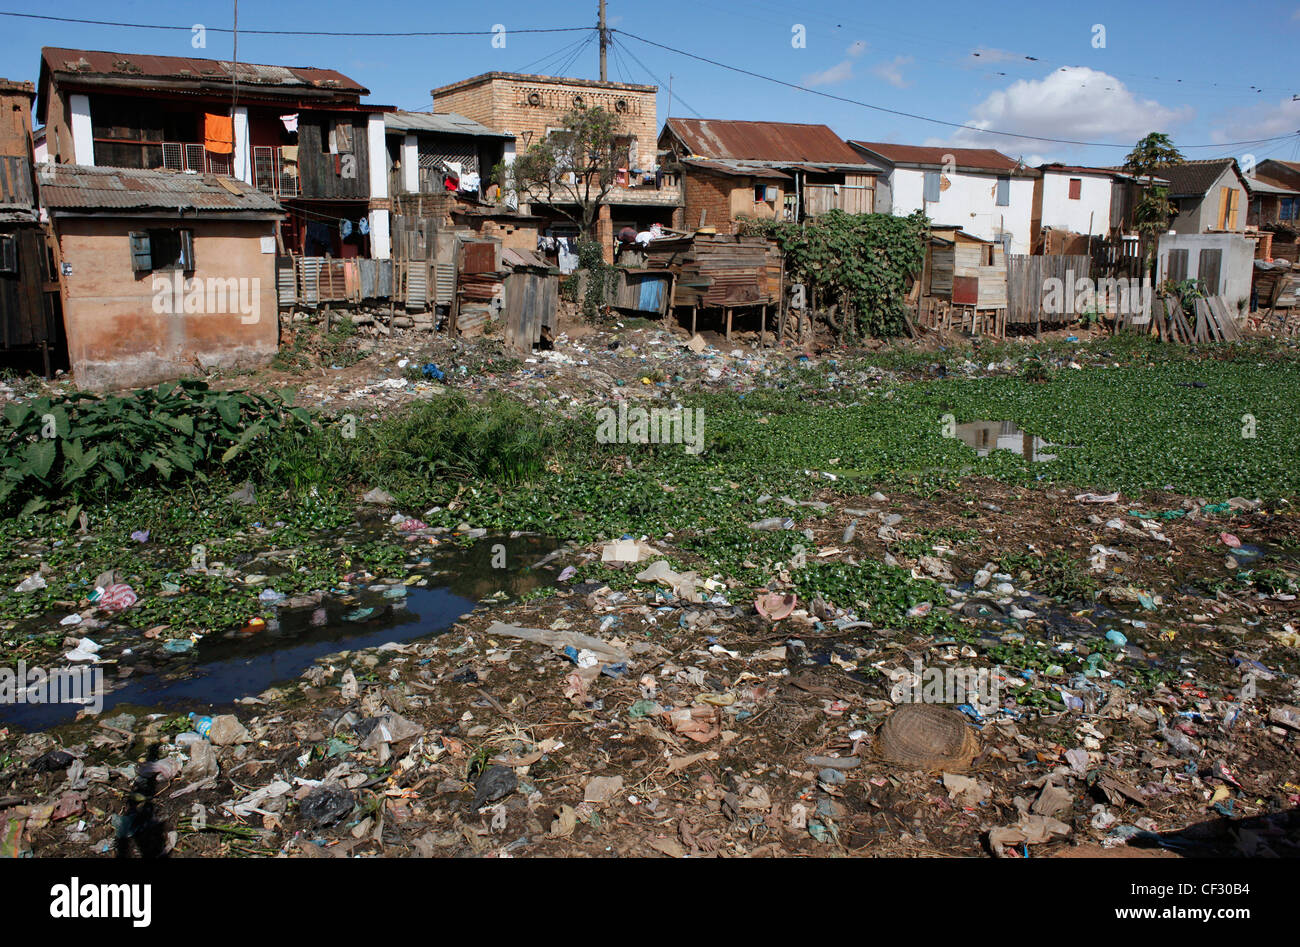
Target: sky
x=1093 y=77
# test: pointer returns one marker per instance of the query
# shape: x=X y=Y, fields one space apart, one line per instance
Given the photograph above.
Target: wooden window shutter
x=931 y=186
x=1177 y=269
x=187 y=249
x=1004 y=192
x=1076 y=188
x=141 y=253
x=1223 y=207
x=1234 y=196
x=1208 y=267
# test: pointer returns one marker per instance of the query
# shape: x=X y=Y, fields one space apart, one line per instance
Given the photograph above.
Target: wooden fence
x=1026 y=281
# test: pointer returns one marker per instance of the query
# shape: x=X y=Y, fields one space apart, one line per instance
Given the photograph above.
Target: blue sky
x=1207 y=73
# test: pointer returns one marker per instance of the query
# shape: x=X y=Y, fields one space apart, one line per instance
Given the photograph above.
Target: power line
x=652 y=75
x=350 y=34
x=924 y=118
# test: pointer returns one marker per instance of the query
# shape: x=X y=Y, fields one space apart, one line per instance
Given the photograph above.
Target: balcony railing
x=190 y=156
x=275 y=174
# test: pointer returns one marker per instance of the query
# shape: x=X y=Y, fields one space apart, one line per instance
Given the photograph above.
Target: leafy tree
x=1154 y=210
x=574 y=166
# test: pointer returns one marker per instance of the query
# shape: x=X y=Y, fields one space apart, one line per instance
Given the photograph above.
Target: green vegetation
x=505 y=466
x=861 y=263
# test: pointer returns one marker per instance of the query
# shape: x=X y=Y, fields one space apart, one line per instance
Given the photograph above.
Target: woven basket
x=927 y=737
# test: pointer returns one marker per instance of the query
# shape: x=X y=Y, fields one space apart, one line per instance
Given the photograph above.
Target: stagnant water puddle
x=222 y=668
x=984 y=437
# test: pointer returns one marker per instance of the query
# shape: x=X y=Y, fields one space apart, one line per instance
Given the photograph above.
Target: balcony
x=190 y=156
x=275 y=173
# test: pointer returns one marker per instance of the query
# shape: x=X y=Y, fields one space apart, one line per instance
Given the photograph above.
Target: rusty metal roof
x=70 y=188
x=977 y=159
x=736 y=169
x=763 y=141
x=101 y=64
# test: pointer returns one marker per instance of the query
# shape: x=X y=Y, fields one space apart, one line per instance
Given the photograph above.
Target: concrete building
x=162 y=272
x=530 y=108
x=1210 y=194
x=980 y=190
x=299 y=134
x=773 y=170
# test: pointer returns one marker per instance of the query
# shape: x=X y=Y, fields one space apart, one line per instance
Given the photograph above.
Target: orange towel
x=218 y=134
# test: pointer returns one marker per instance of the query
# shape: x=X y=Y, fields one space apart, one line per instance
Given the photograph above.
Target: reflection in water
x=986 y=436
x=224 y=667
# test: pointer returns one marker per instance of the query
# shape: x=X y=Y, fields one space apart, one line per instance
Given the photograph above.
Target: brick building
x=531 y=107
x=780 y=170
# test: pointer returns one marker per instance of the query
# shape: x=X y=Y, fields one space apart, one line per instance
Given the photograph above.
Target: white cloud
x=892 y=71
x=840 y=72
x=1258 y=121
x=1073 y=102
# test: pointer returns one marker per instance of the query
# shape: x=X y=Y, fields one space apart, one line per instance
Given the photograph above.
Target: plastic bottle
x=202 y=725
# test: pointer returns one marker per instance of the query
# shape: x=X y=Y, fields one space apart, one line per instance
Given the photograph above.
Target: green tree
x=573 y=169
x=1154 y=210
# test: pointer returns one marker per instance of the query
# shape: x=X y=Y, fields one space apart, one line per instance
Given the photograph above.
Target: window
x=1288 y=209
x=1004 y=192
x=764 y=193
x=931 y=186
x=1076 y=188
x=162 y=250
x=8 y=253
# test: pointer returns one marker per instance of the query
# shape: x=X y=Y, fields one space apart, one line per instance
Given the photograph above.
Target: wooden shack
x=964 y=283
x=966 y=270
x=720 y=271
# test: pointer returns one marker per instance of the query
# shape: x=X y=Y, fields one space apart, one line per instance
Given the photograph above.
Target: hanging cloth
x=363 y=225
x=290 y=122
x=218 y=134
x=345 y=228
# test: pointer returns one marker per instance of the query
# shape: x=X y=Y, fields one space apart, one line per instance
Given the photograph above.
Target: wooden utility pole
x=604 y=42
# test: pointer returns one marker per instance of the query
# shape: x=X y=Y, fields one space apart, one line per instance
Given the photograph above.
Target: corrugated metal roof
x=736 y=169
x=446 y=123
x=978 y=159
x=1054 y=168
x=100 y=63
x=763 y=141
x=15 y=183
x=71 y=187
x=1263 y=185
x=526 y=258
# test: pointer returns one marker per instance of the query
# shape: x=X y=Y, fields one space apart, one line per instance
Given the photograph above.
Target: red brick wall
x=709 y=192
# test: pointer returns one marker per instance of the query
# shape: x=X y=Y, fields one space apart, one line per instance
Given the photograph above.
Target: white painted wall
x=1236 y=267
x=380 y=241
x=243 y=157
x=83 y=138
x=411 y=163
x=969 y=202
x=1093 y=203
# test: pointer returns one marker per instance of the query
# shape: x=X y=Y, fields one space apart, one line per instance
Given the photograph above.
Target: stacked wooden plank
x=719 y=270
x=1212 y=321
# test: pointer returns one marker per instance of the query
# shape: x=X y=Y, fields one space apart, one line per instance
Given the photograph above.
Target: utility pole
x=604 y=42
